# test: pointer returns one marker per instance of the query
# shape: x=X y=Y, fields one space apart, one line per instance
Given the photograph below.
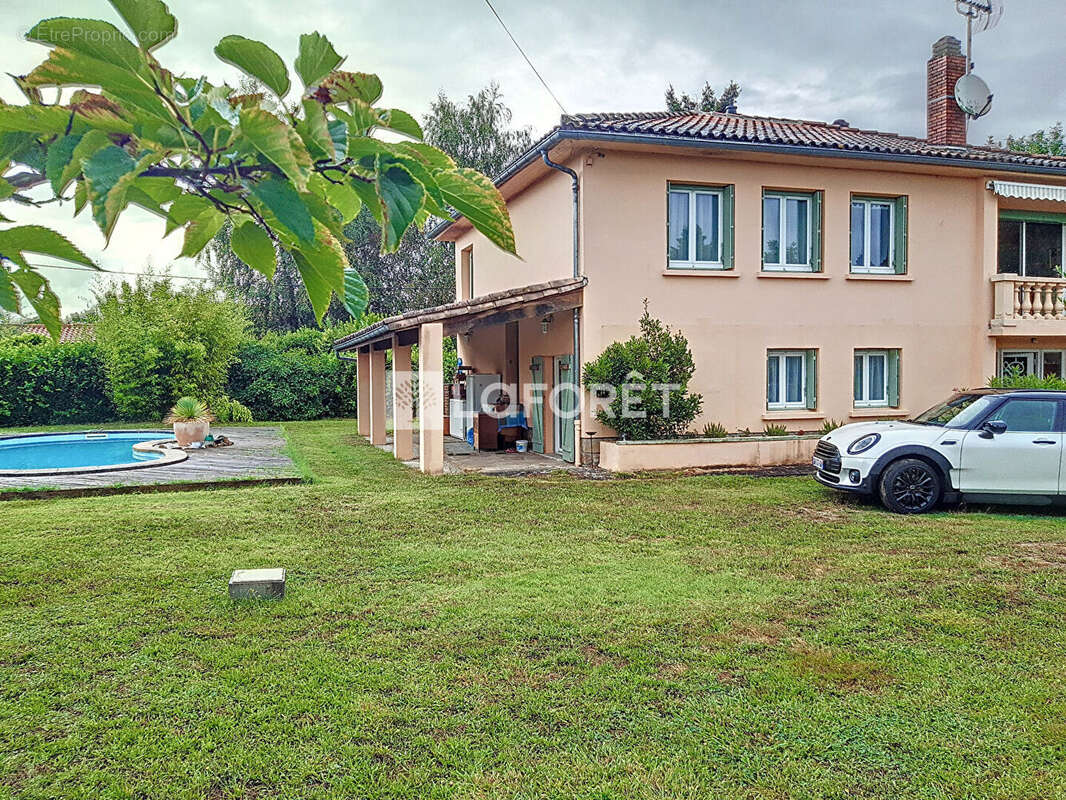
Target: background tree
x=287 y=173
x=708 y=102
x=1049 y=142
x=477 y=133
x=420 y=272
x=159 y=343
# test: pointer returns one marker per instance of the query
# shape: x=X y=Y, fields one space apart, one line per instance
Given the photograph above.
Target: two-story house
x=819 y=271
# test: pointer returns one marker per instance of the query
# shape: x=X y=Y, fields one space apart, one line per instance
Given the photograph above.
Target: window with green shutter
x=879 y=235
x=876 y=379
x=699 y=227
x=791 y=379
x=791 y=231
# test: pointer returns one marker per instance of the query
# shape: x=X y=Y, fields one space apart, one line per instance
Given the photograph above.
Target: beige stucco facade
x=938 y=315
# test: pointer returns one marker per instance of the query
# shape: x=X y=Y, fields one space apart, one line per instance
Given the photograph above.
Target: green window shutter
x=816 y=231
x=901 y=236
x=762 y=231
x=769 y=357
x=811 y=358
x=893 y=378
x=666 y=253
x=728 y=193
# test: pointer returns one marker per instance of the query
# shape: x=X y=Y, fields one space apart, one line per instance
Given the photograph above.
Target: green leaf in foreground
x=284 y=202
x=150 y=21
x=322 y=268
x=253 y=246
x=317 y=58
x=277 y=142
x=16 y=242
x=9 y=299
x=41 y=297
x=103 y=171
x=476 y=197
x=92 y=37
x=356 y=295
x=256 y=60
x=401 y=198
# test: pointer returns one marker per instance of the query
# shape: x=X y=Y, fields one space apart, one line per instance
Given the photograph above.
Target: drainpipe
x=577 y=312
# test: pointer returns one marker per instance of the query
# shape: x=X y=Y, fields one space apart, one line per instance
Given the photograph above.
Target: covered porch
x=519 y=368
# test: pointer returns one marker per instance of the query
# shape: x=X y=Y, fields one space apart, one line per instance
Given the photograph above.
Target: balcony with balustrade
x=1028 y=306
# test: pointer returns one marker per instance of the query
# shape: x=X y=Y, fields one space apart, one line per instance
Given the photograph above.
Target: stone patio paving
x=460 y=457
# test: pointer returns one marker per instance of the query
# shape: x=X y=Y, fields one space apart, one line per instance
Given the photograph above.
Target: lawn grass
x=470 y=636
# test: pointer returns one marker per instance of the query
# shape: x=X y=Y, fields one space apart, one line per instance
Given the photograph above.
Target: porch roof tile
x=509 y=298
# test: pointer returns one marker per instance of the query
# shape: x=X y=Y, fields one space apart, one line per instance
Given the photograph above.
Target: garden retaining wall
x=747 y=451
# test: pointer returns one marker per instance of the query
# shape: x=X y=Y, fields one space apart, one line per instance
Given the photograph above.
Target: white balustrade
x=1018 y=297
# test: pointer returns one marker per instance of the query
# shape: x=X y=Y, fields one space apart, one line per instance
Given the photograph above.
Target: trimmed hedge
x=42 y=383
x=293 y=376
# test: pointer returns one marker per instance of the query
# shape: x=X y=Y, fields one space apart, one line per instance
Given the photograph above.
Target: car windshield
x=958 y=412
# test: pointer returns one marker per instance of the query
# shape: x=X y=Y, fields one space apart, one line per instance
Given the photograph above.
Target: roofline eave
x=558 y=135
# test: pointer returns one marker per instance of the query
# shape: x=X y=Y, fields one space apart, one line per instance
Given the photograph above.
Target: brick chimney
x=946 y=122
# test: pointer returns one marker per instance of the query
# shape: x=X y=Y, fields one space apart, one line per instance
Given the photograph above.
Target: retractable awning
x=1028 y=191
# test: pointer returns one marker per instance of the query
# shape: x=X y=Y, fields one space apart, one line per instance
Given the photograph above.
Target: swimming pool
x=86 y=451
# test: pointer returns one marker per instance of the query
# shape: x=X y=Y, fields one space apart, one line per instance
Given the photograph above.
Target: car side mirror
x=992 y=428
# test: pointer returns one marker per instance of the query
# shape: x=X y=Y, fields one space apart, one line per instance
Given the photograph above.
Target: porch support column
x=363 y=388
x=431 y=397
x=377 y=396
x=402 y=402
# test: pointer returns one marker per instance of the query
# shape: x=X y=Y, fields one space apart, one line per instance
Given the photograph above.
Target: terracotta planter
x=188 y=433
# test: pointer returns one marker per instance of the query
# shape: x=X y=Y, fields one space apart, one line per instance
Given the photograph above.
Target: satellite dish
x=973 y=96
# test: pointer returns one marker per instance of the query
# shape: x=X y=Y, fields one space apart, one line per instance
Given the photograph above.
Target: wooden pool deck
x=258 y=456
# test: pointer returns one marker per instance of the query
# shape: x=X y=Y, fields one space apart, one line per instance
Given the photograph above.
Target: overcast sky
x=809 y=59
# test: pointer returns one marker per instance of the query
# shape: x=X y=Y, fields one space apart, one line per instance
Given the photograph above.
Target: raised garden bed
x=730 y=451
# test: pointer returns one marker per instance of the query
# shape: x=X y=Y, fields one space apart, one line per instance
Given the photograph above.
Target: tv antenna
x=971 y=93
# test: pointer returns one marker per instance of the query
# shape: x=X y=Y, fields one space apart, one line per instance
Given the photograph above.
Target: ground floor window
x=790 y=379
x=1041 y=363
x=876 y=378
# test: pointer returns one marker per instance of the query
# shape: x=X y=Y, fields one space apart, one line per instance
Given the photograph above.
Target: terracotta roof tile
x=793 y=132
x=71 y=332
x=507 y=298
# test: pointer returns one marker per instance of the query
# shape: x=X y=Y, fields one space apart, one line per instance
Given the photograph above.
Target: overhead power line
x=121 y=272
x=523 y=52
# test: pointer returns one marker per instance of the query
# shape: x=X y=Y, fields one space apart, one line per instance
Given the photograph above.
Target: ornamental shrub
x=159 y=344
x=640 y=367
x=1016 y=380
x=44 y=383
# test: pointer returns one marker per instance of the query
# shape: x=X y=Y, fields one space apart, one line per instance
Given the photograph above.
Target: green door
x=536 y=412
x=567 y=399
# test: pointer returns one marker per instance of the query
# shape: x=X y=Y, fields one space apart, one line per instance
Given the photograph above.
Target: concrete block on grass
x=252 y=583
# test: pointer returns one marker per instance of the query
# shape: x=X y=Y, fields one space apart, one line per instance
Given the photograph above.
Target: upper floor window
x=790 y=379
x=792 y=231
x=1032 y=244
x=466 y=277
x=700 y=227
x=879 y=234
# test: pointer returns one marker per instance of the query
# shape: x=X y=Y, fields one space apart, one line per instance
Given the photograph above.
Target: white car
x=991 y=445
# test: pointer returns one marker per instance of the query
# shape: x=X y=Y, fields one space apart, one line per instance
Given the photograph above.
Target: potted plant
x=191 y=419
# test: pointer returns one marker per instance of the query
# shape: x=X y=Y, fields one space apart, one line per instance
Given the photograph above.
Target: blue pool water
x=57 y=451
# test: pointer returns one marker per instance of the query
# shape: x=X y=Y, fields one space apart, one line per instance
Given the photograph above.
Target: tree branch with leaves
x=287 y=169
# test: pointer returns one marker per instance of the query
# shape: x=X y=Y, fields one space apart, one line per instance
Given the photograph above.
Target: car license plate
x=818 y=463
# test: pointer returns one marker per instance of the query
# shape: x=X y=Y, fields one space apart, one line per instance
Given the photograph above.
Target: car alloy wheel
x=910 y=486
x=914 y=488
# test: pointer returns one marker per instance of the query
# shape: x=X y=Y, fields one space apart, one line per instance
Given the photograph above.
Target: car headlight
x=863 y=444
